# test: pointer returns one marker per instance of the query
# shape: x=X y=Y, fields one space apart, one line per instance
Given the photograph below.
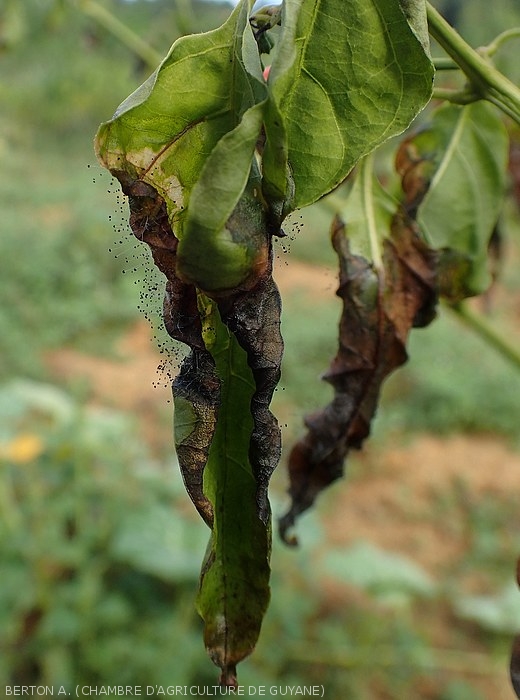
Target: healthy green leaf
x=455 y=172
x=415 y=11
x=234 y=586
x=347 y=76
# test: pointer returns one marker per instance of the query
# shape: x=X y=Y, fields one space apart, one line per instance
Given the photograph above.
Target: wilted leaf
x=379 y=309
x=346 y=77
x=227 y=440
x=189 y=132
x=234 y=586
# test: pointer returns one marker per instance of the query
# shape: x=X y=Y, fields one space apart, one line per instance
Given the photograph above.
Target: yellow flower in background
x=23 y=448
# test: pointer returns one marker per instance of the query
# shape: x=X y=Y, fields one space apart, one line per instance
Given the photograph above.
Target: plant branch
x=445 y=63
x=127 y=36
x=485 y=79
x=482 y=328
x=458 y=97
x=501 y=39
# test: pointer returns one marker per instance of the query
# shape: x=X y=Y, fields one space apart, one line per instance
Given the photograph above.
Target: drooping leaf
x=379 y=309
x=346 y=77
x=225 y=241
x=227 y=440
x=189 y=132
x=454 y=179
x=234 y=587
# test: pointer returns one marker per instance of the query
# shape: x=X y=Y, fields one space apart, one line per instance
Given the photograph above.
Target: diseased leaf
x=454 y=181
x=227 y=440
x=219 y=251
x=190 y=133
x=346 y=77
x=379 y=309
x=234 y=586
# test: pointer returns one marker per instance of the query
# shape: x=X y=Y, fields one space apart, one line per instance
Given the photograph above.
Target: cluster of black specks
x=137 y=264
x=293 y=226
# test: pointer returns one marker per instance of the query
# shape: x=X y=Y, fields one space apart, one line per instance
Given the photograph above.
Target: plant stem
x=445 y=63
x=126 y=35
x=486 y=80
x=482 y=328
x=458 y=97
x=492 y=48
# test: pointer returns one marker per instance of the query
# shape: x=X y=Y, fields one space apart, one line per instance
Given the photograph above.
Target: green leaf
x=153 y=540
x=415 y=11
x=461 y=159
x=216 y=251
x=368 y=214
x=166 y=130
x=347 y=76
x=234 y=586
x=498 y=613
x=365 y=565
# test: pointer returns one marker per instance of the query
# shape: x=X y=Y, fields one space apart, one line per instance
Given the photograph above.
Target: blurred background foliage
x=99 y=547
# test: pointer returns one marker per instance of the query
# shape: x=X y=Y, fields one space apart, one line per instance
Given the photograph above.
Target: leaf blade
x=234 y=585
x=327 y=80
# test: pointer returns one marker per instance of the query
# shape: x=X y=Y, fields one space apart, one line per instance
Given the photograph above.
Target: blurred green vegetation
x=99 y=548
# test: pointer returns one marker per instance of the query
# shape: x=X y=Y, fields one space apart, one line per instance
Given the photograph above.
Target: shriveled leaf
x=379 y=309
x=454 y=179
x=347 y=76
x=234 y=587
x=254 y=318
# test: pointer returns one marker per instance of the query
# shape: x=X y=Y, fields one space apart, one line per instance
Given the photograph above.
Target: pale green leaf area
x=380 y=572
x=357 y=76
x=466 y=194
x=147 y=540
x=498 y=613
x=234 y=586
x=368 y=214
